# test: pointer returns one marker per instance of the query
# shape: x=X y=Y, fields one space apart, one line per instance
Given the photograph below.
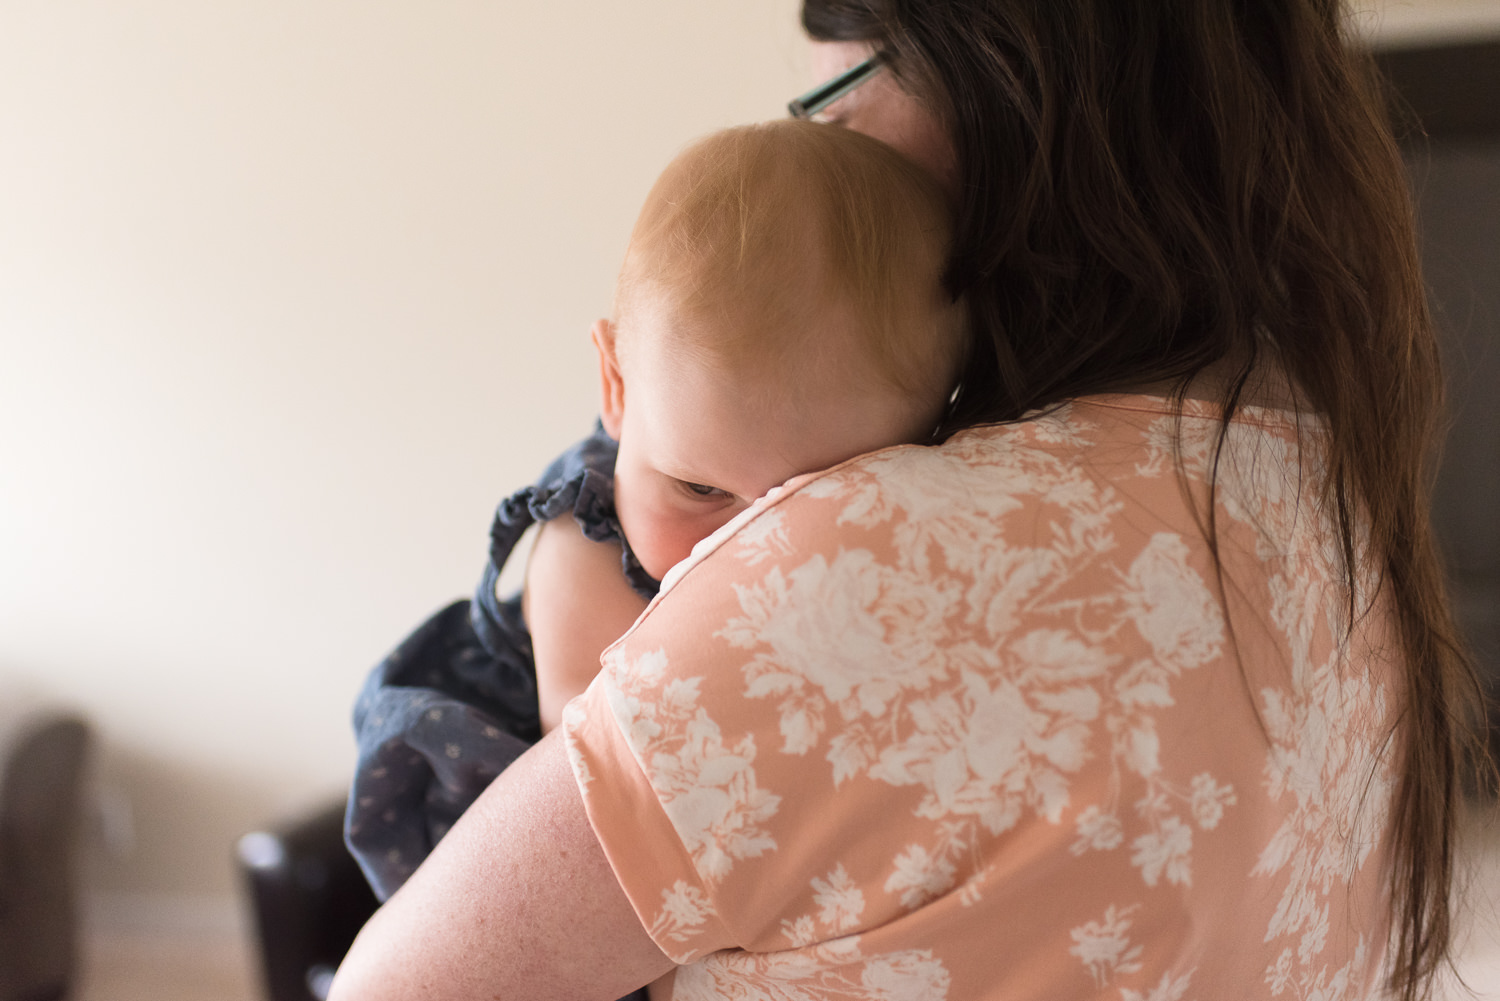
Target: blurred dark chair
x=43 y=755
x=309 y=900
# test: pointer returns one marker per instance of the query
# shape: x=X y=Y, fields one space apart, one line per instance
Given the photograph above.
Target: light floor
x=123 y=968
x=141 y=968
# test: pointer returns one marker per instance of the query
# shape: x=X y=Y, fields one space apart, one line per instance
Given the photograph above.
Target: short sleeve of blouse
x=734 y=754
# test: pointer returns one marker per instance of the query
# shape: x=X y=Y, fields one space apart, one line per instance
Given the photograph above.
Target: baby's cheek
x=707 y=524
x=660 y=540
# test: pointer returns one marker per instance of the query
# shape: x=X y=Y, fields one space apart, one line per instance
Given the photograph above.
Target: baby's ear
x=611 y=382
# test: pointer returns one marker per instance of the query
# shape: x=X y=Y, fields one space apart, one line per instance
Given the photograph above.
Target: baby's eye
x=701 y=489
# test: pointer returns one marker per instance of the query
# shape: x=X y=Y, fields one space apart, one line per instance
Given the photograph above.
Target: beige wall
x=1398 y=22
x=291 y=293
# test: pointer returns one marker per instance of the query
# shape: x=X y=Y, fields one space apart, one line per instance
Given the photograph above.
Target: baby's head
x=780 y=310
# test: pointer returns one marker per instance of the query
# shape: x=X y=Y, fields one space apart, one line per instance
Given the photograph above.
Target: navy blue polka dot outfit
x=456 y=702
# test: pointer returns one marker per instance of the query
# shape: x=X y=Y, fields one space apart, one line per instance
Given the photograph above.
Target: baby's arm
x=576 y=602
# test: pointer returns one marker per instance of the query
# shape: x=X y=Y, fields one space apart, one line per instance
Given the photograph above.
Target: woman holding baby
x=1136 y=679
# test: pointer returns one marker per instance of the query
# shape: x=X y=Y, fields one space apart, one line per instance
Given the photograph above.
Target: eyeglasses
x=824 y=94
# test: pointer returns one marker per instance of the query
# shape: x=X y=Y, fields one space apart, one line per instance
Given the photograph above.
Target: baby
x=780 y=310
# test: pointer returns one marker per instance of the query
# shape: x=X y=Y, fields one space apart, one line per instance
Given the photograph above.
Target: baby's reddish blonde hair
x=776 y=243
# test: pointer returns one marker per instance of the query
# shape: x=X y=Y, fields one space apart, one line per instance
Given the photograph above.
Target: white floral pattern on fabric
x=834 y=969
x=707 y=787
x=1332 y=771
x=684 y=908
x=1168 y=989
x=1104 y=946
x=986 y=720
x=572 y=717
x=983 y=750
x=1322 y=767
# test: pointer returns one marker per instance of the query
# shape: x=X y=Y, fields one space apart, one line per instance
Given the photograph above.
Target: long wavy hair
x=1147 y=188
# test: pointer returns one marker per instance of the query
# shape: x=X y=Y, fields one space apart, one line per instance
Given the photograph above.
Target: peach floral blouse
x=982 y=721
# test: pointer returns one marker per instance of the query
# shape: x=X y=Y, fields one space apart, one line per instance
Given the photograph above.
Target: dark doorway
x=1447 y=105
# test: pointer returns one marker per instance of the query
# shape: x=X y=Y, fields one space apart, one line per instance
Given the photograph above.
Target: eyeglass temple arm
x=823 y=95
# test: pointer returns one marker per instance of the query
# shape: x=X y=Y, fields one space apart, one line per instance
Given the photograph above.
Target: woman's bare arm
x=577 y=602
x=517 y=901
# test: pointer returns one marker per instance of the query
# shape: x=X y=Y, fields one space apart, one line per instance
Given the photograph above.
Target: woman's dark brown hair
x=1147 y=188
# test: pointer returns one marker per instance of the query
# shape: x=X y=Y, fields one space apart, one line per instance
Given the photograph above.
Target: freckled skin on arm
x=577 y=602
x=518 y=901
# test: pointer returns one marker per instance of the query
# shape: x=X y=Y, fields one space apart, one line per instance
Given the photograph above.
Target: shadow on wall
x=161 y=848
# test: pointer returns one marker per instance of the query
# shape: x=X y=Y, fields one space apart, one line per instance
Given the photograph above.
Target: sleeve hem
x=649 y=860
